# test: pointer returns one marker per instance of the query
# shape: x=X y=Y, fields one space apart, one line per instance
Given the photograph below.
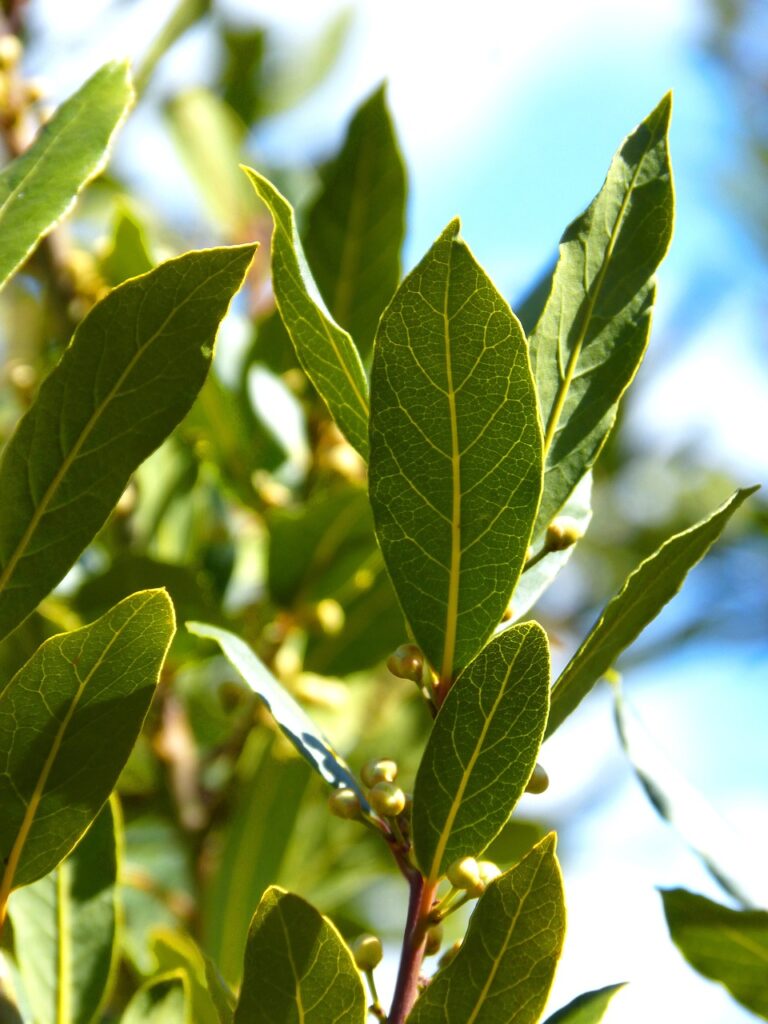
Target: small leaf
x=131 y=372
x=588 y=1008
x=645 y=592
x=211 y=1000
x=482 y=749
x=326 y=352
x=356 y=225
x=41 y=185
x=64 y=928
x=729 y=946
x=505 y=966
x=594 y=328
x=163 y=1000
x=185 y=14
x=297 y=968
x=293 y=721
x=68 y=721
x=455 y=471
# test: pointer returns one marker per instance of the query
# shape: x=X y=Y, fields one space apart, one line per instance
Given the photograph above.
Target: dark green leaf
x=592 y=334
x=129 y=253
x=588 y=1008
x=297 y=968
x=482 y=749
x=131 y=373
x=163 y=1000
x=729 y=946
x=455 y=471
x=68 y=721
x=40 y=186
x=326 y=352
x=64 y=928
x=356 y=226
x=645 y=592
x=504 y=969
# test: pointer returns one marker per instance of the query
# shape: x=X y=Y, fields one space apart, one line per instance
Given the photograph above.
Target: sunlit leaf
x=164 y=999
x=212 y=1002
x=588 y=1008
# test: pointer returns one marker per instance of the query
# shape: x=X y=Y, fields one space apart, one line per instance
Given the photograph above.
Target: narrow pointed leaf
x=40 y=186
x=163 y=1000
x=65 y=929
x=326 y=352
x=356 y=226
x=482 y=749
x=588 y=1008
x=504 y=969
x=455 y=470
x=293 y=721
x=729 y=946
x=68 y=721
x=645 y=592
x=130 y=374
x=297 y=968
x=594 y=328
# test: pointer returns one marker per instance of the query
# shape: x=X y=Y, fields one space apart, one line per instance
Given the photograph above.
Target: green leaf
x=297 y=968
x=163 y=1000
x=482 y=749
x=652 y=584
x=504 y=969
x=64 y=928
x=356 y=226
x=131 y=372
x=68 y=721
x=40 y=186
x=293 y=721
x=185 y=15
x=129 y=252
x=594 y=328
x=729 y=946
x=211 y=1000
x=325 y=351
x=455 y=472
x=588 y=1008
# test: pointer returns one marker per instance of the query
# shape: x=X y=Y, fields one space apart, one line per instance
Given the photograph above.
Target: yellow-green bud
x=344 y=803
x=387 y=799
x=434 y=940
x=538 y=782
x=330 y=616
x=380 y=770
x=562 y=533
x=464 y=873
x=367 y=952
x=406 y=663
x=449 y=954
x=487 y=872
x=10 y=51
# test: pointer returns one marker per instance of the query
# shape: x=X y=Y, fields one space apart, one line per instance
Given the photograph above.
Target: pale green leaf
x=356 y=226
x=729 y=946
x=297 y=968
x=482 y=749
x=594 y=328
x=165 y=999
x=185 y=14
x=455 y=472
x=68 y=721
x=40 y=186
x=131 y=372
x=211 y=1000
x=588 y=1008
x=326 y=352
x=504 y=969
x=65 y=929
x=652 y=584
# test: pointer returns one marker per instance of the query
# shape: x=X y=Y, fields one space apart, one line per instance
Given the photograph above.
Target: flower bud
x=378 y=770
x=344 y=803
x=367 y=952
x=406 y=663
x=449 y=955
x=487 y=872
x=562 y=533
x=434 y=940
x=387 y=799
x=329 y=616
x=10 y=51
x=464 y=873
x=538 y=782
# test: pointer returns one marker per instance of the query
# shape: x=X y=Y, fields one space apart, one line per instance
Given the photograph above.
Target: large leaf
x=455 y=470
x=326 y=352
x=594 y=328
x=294 y=722
x=588 y=1008
x=356 y=226
x=652 y=584
x=729 y=946
x=64 y=928
x=297 y=968
x=40 y=186
x=504 y=969
x=68 y=721
x=131 y=372
x=482 y=749
x=165 y=999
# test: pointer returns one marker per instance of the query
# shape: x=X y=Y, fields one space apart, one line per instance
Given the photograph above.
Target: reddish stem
x=420 y=903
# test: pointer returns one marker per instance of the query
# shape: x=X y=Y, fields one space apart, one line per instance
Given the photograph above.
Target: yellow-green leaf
x=165 y=999
x=588 y=1008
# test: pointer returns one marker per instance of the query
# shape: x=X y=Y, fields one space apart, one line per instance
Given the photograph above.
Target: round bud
x=562 y=533
x=434 y=940
x=344 y=803
x=379 y=770
x=387 y=799
x=538 y=782
x=330 y=616
x=406 y=663
x=10 y=51
x=464 y=873
x=367 y=952
x=449 y=954
x=489 y=872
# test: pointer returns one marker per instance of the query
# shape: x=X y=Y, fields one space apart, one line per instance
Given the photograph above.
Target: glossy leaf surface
x=644 y=594
x=588 y=1008
x=40 y=186
x=455 y=451
x=482 y=749
x=163 y=1000
x=131 y=372
x=297 y=968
